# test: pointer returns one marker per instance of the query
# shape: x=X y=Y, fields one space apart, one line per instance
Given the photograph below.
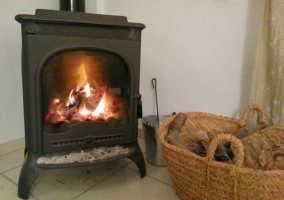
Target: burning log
x=86 y=104
x=197 y=143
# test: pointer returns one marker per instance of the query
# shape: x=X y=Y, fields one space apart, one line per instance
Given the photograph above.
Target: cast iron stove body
x=81 y=88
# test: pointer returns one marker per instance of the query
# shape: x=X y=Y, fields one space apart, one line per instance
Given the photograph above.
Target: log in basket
x=196 y=177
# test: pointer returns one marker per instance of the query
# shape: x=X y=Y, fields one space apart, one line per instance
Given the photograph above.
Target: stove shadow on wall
x=81 y=90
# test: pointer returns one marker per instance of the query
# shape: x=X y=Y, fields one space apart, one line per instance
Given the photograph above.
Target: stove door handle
x=139 y=108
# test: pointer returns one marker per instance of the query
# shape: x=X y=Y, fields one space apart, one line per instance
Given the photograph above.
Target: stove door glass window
x=85 y=85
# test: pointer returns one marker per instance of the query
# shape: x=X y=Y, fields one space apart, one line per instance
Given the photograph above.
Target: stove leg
x=138 y=159
x=30 y=172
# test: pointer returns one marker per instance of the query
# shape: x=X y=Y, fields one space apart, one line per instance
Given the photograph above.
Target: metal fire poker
x=154 y=84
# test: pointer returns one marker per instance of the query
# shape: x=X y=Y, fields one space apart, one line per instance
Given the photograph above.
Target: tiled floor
x=118 y=180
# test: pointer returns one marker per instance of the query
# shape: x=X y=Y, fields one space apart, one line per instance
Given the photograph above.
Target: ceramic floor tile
x=124 y=162
x=67 y=183
x=126 y=184
x=159 y=173
x=8 y=190
x=106 y=181
x=12 y=146
x=11 y=160
x=13 y=174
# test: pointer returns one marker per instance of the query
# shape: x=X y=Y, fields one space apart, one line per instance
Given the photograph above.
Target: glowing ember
x=86 y=103
x=84 y=111
x=87 y=90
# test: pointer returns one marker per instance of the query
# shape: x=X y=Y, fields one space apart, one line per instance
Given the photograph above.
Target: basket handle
x=238 y=148
x=243 y=121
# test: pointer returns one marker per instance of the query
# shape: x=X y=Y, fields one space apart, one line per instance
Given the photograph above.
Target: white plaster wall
x=11 y=100
x=200 y=51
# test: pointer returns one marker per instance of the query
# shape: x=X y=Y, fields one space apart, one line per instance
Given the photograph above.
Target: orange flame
x=101 y=107
x=71 y=98
x=87 y=90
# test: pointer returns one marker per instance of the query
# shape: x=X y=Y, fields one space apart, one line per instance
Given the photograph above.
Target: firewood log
x=220 y=151
x=264 y=150
x=250 y=129
x=174 y=131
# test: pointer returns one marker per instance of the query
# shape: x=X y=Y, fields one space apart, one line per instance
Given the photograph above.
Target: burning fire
x=101 y=107
x=87 y=90
x=85 y=103
x=71 y=98
x=84 y=111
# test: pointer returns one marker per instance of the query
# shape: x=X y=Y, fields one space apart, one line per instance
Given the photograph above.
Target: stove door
x=85 y=100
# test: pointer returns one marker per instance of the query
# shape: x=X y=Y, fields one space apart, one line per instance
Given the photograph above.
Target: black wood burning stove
x=81 y=90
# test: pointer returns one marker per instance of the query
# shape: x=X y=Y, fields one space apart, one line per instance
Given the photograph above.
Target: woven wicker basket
x=196 y=177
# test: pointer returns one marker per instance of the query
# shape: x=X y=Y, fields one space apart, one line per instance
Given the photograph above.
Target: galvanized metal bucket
x=151 y=126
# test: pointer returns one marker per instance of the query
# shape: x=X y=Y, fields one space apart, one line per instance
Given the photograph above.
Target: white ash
x=87 y=155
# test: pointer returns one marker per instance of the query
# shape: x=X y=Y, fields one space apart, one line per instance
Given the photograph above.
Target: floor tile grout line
x=110 y=175
x=127 y=166
x=12 y=152
x=11 y=169
x=160 y=181
x=150 y=176
x=9 y=178
x=32 y=195
x=74 y=198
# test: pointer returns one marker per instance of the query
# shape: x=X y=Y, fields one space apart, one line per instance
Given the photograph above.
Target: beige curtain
x=267 y=87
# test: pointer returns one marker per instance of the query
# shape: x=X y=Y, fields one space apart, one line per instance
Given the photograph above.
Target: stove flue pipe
x=72 y=5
